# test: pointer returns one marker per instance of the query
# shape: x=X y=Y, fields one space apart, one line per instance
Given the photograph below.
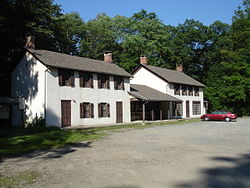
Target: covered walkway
x=150 y=104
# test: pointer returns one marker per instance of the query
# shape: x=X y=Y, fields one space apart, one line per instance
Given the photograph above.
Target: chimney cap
x=143 y=60
x=30 y=42
x=108 y=57
x=179 y=67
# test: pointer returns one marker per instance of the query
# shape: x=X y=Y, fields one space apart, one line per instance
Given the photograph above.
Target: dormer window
x=118 y=83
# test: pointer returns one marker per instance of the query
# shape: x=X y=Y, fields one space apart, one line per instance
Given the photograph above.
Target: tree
x=20 y=18
x=69 y=29
x=228 y=83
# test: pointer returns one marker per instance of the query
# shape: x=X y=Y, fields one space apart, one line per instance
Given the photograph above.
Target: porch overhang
x=145 y=93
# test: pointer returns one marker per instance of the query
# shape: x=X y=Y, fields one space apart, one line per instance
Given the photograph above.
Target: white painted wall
x=145 y=77
x=28 y=81
x=77 y=95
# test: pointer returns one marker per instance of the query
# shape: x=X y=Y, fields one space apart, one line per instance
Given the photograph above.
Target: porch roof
x=8 y=100
x=149 y=94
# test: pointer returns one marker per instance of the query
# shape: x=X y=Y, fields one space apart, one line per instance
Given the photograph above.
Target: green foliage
x=228 y=80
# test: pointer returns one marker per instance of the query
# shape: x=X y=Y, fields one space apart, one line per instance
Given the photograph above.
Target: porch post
x=152 y=114
x=161 y=111
x=175 y=110
x=143 y=112
x=168 y=107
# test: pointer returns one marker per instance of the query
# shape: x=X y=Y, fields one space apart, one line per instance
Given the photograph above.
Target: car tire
x=206 y=118
x=227 y=119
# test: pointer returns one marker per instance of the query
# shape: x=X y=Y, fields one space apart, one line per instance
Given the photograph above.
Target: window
x=86 y=79
x=196 y=107
x=177 y=89
x=190 y=90
x=66 y=77
x=184 y=89
x=103 y=110
x=86 y=110
x=177 y=109
x=118 y=83
x=196 y=91
x=103 y=81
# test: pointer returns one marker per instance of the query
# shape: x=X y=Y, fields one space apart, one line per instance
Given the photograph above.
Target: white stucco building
x=69 y=90
x=173 y=83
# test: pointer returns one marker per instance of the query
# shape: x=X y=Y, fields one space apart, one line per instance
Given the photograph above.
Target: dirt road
x=203 y=154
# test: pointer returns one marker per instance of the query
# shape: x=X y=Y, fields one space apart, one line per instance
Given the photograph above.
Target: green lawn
x=18 y=141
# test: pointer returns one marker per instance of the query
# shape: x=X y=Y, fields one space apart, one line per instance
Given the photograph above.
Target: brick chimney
x=144 y=60
x=30 y=42
x=179 y=68
x=108 y=57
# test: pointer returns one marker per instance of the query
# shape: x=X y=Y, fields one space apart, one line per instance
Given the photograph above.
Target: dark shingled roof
x=146 y=93
x=173 y=76
x=60 y=60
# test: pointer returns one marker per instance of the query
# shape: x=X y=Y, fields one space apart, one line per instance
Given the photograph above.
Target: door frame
x=62 y=122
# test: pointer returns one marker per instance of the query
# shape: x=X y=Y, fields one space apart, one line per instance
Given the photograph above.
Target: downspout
x=45 y=95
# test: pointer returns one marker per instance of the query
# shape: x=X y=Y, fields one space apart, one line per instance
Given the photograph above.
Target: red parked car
x=219 y=115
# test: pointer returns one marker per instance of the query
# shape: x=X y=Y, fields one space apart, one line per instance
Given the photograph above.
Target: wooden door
x=119 y=114
x=187 y=109
x=66 y=113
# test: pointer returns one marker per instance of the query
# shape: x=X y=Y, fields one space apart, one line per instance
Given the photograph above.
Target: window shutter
x=99 y=110
x=99 y=82
x=122 y=84
x=60 y=77
x=115 y=83
x=72 y=79
x=81 y=110
x=92 y=110
x=81 y=79
x=107 y=82
x=108 y=110
x=91 y=81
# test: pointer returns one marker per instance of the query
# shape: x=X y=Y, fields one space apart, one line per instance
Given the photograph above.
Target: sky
x=170 y=12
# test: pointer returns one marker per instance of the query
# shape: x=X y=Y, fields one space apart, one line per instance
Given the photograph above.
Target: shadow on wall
x=237 y=175
x=26 y=85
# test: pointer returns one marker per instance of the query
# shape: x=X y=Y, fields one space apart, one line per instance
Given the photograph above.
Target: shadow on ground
x=53 y=153
x=238 y=175
x=59 y=152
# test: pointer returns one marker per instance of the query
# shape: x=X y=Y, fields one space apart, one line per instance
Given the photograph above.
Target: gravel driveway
x=202 y=154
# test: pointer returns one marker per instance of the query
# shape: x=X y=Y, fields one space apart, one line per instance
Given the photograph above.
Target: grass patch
x=21 y=179
x=16 y=141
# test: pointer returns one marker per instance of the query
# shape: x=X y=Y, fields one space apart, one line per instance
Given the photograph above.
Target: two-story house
x=183 y=94
x=68 y=90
